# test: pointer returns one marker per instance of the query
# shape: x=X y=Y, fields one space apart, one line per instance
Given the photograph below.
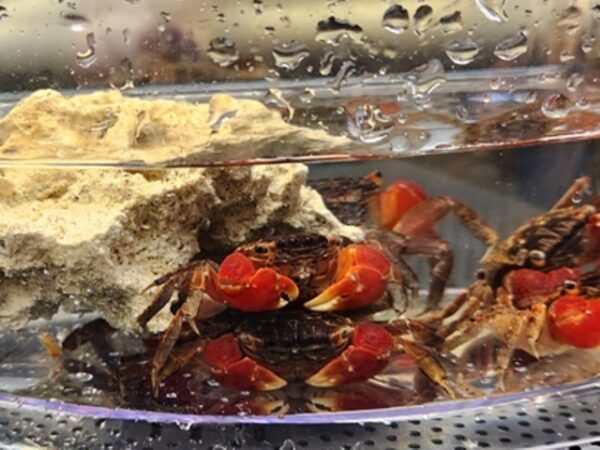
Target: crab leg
x=579 y=187
x=367 y=355
x=427 y=363
x=230 y=368
x=424 y=215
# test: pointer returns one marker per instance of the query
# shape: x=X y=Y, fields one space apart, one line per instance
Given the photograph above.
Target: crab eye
x=571 y=287
x=481 y=274
x=537 y=257
x=261 y=249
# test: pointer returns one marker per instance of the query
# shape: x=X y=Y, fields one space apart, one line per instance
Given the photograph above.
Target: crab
x=565 y=237
x=322 y=272
x=528 y=287
x=541 y=313
x=402 y=219
x=265 y=352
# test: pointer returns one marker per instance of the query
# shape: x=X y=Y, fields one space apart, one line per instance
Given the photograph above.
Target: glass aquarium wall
x=296 y=210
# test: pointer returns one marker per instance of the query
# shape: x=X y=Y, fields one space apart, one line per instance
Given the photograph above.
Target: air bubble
x=462 y=51
x=3 y=13
x=289 y=56
x=512 y=47
x=223 y=51
x=395 y=19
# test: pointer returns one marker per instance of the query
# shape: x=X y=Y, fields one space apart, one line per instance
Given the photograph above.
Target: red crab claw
x=233 y=370
x=397 y=199
x=361 y=279
x=367 y=355
x=528 y=283
x=247 y=289
x=576 y=321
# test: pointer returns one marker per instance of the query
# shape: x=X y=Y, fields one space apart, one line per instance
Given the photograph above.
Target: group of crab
x=289 y=298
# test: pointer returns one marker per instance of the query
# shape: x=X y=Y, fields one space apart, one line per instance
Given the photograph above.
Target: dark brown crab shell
x=350 y=199
x=558 y=236
x=294 y=344
x=307 y=258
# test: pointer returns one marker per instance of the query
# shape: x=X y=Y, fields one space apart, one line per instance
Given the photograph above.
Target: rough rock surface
x=91 y=239
x=108 y=127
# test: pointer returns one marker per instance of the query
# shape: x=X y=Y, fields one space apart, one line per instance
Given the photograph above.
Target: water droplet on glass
x=288 y=444
x=423 y=80
x=222 y=51
x=80 y=377
x=289 y=56
x=493 y=9
x=3 y=13
x=221 y=108
x=395 y=19
x=272 y=75
x=274 y=100
x=451 y=23
x=462 y=51
x=126 y=36
x=75 y=22
x=333 y=31
x=165 y=16
x=566 y=56
x=463 y=114
x=306 y=95
x=574 y=80
x=587 y=43
x=88 y=57
x=326 y=63
x=512 y=47
x=258 y=7
x=529 y=97
x=367 y=123
x=423 y=19
x=582 y=103
x=345 y=70
x=556 y=106
x=570 y=20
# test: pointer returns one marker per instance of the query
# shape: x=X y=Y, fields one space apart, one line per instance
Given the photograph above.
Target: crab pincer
x=575 y=320
x=245 y=288
x=234 y=370
x=361 y=278
x=365 y=357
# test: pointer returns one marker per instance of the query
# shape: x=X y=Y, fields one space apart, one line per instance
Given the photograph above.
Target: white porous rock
x=92 y=239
